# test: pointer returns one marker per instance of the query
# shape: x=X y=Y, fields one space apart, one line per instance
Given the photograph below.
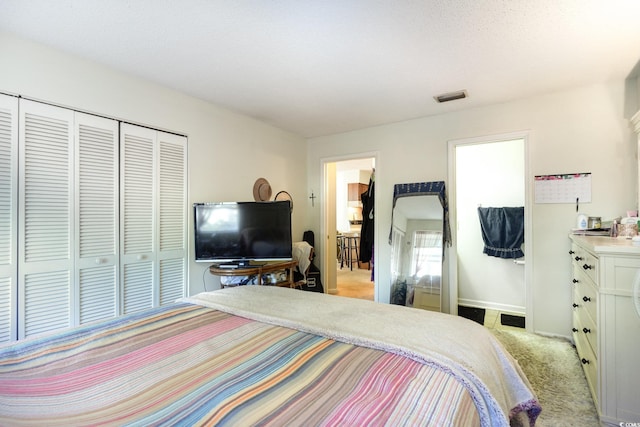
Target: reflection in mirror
x=418 y=233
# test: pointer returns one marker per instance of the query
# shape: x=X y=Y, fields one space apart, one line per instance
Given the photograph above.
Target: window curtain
x=427 y=249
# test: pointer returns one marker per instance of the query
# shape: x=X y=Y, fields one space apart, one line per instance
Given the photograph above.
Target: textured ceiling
x=327 y=66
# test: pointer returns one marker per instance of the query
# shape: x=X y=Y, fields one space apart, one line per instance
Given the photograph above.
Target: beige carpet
x=554 y=371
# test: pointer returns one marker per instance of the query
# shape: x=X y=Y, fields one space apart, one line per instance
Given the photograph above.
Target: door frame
x=327 y=196
x=528 y=244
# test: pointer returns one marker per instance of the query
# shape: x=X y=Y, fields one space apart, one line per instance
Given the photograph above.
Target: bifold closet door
x=68 y=218
x=172 y=217
x=96 y=229
x=8 y=217
x=152 y=217
x=46 y=218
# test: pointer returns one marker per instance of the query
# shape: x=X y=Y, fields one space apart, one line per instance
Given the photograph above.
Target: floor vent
x=510 y=320
x=472 y=313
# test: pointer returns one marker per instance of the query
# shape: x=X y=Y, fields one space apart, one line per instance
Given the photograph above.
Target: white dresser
x=606 y=327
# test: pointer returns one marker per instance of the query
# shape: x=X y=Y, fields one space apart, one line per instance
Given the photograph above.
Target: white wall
x=490 y=175
x=227 y=151
x=582 y=129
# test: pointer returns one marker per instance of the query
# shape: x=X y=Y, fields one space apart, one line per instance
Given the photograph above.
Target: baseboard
x=503 y=308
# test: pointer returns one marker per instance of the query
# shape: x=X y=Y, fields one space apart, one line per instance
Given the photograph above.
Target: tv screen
x=240 y=232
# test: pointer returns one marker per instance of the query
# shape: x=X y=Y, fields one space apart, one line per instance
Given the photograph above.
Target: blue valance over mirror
x=432 y=188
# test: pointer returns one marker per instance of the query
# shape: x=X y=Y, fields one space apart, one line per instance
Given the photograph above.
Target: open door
x=338 y=213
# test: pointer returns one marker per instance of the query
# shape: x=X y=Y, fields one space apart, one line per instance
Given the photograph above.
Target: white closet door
x=8 y=217
x=153 y=217
x=137 y=217
x=45 y=218
x=172 y=217
x=96 y=246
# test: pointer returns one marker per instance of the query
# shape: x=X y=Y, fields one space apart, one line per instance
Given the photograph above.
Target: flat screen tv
x=237 y=233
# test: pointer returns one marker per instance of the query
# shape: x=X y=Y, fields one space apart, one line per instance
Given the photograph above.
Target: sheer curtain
x=426 y=257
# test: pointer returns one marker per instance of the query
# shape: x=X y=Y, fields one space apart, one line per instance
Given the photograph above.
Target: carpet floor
x=554 y=371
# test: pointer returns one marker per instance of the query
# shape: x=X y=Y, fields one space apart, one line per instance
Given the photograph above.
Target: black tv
x=242 y=233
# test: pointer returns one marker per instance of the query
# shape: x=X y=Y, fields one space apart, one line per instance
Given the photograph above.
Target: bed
x=263 y=355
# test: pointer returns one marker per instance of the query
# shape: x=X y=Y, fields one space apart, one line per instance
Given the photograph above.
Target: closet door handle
x=571 y=252
x=586 y=299
x=575 y=305
x=574 y=329
x=587 y=267
x=575 y=281
x=578 y=258
x=586 y=330
x=585 y=361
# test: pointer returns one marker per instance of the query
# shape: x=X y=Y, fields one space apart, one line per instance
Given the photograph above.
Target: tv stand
x=246 y=269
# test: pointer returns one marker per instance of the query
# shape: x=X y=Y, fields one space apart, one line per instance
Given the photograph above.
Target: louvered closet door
x=137 y=217
x=96 y=246
x=172 y=212
x=153 y=217
x=46 y=218
x=8 y=217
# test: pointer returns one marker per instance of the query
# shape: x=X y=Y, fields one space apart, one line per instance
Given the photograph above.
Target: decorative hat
x=261 y=190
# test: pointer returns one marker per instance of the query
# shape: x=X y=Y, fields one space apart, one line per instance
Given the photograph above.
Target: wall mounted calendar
x=563 y=188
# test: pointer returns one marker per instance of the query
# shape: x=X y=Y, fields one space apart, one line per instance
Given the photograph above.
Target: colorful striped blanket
x=186 y=364
x=462 y=348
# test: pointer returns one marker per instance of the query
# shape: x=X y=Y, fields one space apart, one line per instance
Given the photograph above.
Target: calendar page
x=563 y=188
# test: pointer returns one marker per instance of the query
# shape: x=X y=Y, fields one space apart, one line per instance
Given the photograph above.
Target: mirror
x=419 y=233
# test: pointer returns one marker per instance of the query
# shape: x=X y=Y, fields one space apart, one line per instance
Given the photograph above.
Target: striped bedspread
x=186 y=364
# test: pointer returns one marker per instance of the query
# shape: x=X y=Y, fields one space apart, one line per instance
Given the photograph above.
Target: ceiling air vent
x=451 y=96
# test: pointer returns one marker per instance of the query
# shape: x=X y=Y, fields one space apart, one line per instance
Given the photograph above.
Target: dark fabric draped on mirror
x=433 y=188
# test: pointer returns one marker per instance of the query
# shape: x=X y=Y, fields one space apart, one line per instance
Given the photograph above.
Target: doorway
x=345 y=180
x=488 y=172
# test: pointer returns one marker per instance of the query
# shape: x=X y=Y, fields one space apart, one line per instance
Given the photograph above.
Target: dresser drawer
x=589 y=362
x=585 y=261
x=585 y=326
x=585 y=295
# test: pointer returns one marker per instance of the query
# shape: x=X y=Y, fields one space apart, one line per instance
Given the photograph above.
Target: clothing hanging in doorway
x=502 y=231
x=366 y=232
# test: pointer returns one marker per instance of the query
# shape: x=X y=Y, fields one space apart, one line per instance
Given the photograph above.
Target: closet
x=93 y=219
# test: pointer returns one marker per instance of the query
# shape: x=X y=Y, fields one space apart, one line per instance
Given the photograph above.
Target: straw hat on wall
x=261 y=190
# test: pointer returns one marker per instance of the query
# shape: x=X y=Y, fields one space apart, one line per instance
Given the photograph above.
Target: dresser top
x=606 y=245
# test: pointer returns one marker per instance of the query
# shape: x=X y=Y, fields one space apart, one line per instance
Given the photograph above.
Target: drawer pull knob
x=578 y=258
x=571 y=252
x=575 y=281
x=586 y=330
x=586 y=267
x=584 y=361
x=575 y=305
x=574 y=329
x=586 y=299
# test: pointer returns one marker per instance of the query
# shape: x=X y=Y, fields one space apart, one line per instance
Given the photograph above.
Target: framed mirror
x=418 y=237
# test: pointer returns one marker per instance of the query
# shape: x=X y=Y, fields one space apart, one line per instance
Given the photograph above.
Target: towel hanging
x=502 y=231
